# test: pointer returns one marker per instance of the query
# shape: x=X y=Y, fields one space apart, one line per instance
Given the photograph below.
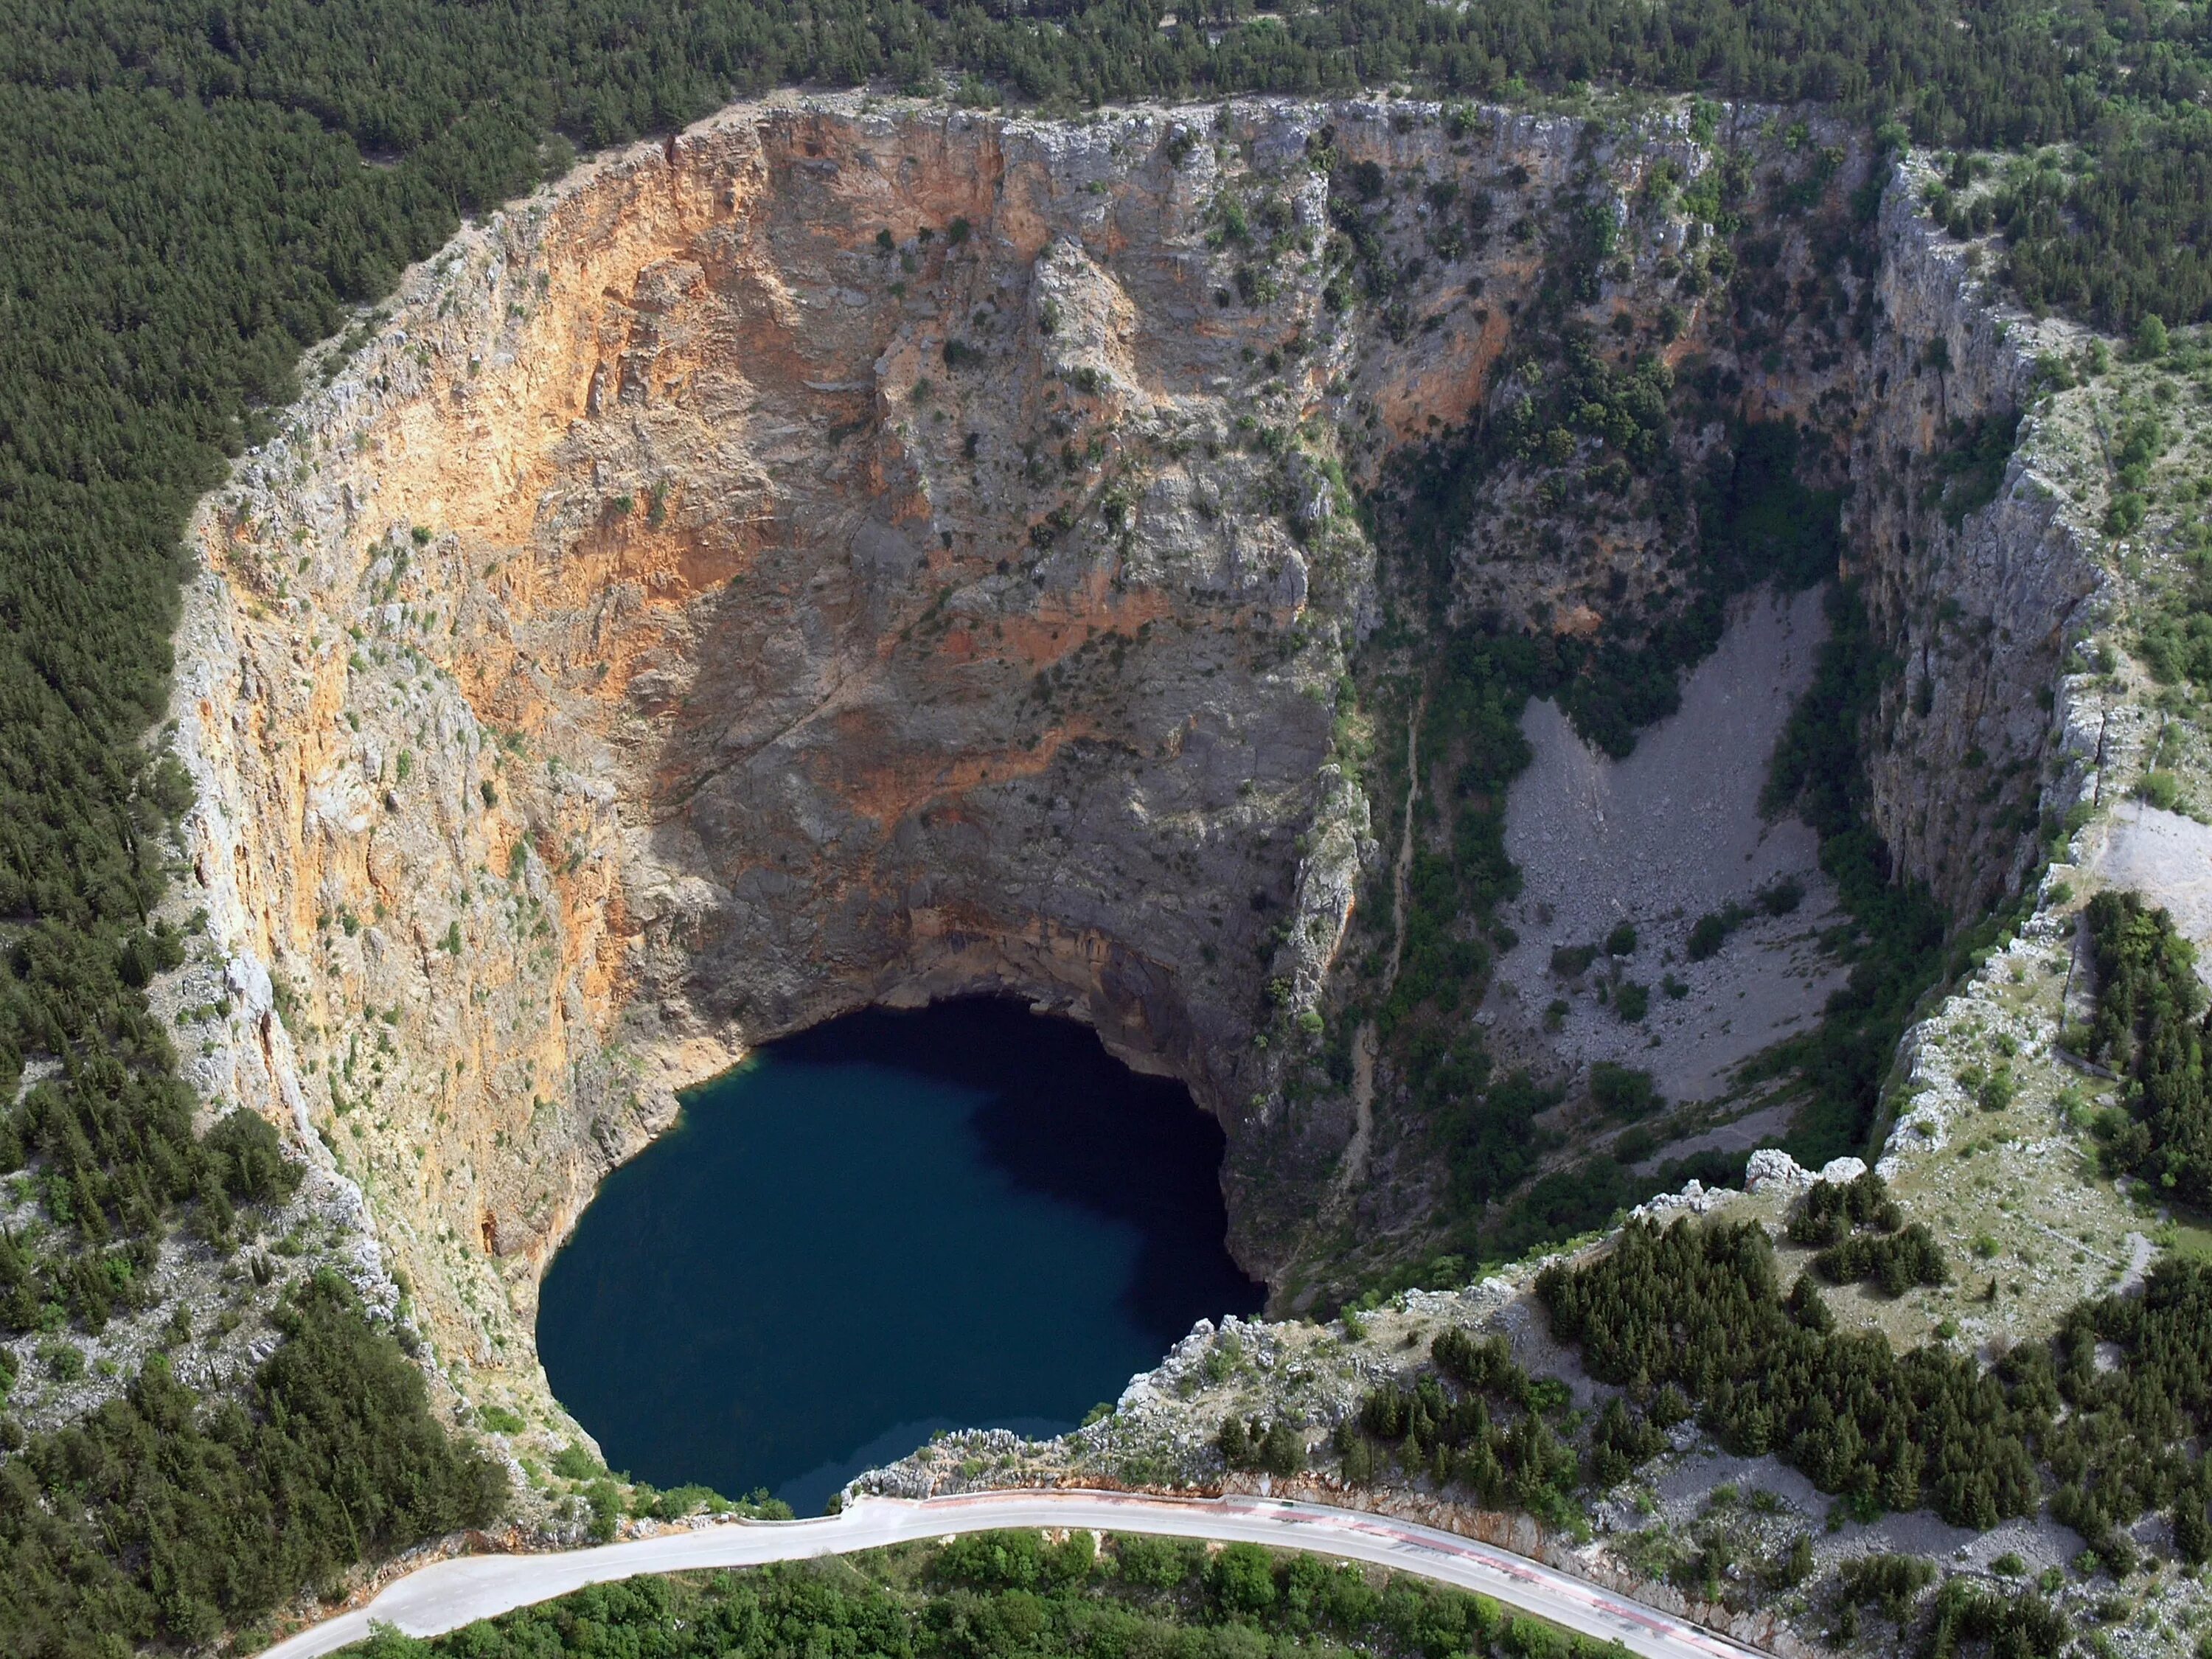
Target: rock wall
x=1975 y=594
x=842 y=556
x=828 y=558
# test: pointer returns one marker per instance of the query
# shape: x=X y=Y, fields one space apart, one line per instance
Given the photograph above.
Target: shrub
x=1830 y=1209
x=688 y=1499
x=1278 y=1448
x=1233 y=1442
x=1706 y=937
x=2192 y=1532
x=1623 y=1092
x=2013 y=1623
x=1156 y=1564
x=1889 y=1582
x=1242 y=1580
x=2149 y=1025
x=250 y=1159
x=1895 y=1262
x=604 y=1500
x=993 y=1560
x=1781 y=897
x=1620 y=1442
x=1282 y=1450
x=1483 y=1364
x=1568 y=960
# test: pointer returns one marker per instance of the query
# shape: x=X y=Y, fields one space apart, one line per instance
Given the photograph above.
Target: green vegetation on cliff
x=2114 y=1437
x=1589 y=430
x=1819 y=774
x=1497 y=1433
x=165 y=1518
x=2150 y=1026
x=1001 y=1594
x=1770 y=1374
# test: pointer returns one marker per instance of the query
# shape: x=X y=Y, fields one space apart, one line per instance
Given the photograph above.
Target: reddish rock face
x=831 y=559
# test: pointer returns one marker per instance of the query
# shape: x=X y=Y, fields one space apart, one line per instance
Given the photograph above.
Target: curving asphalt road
x=447 y=1595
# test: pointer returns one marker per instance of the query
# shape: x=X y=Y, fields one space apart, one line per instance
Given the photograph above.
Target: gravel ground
x=1662 y=838
x=2169 y=857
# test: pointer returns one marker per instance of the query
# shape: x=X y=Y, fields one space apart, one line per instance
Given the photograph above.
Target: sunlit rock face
x=827 y=559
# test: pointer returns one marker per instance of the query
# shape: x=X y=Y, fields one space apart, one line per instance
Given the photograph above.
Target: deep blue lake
x=965 y=1216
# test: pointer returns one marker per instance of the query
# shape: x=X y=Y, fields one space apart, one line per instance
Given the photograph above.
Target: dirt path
x=1364 y=1044
x=2140 y=1251
x=1366 y=1041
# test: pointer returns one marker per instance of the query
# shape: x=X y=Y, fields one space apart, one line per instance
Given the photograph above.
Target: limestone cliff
x=828 y=558
x=845 y=554
x=1975 y=570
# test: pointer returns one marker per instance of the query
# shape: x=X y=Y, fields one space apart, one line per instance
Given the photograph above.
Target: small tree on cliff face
x=1936 y=354
x=1277 y=1447
x=1284 y=1452
x=1233 y=1445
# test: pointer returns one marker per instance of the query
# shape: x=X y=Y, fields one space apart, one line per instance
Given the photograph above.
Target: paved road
x=447 y=1595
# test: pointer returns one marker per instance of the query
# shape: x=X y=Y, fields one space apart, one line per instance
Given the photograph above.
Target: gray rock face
x=834 y=558
x=1978 y=608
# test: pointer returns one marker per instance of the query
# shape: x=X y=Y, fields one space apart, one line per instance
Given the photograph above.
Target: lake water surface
x=966 y=1216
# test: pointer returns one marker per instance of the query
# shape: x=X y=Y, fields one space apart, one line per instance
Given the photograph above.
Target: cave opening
x=966 y=1215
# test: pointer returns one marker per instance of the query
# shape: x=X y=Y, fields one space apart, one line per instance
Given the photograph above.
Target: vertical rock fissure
x=1366 y=1043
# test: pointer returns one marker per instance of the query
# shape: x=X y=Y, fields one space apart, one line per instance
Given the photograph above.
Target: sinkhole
x=966 y=1215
